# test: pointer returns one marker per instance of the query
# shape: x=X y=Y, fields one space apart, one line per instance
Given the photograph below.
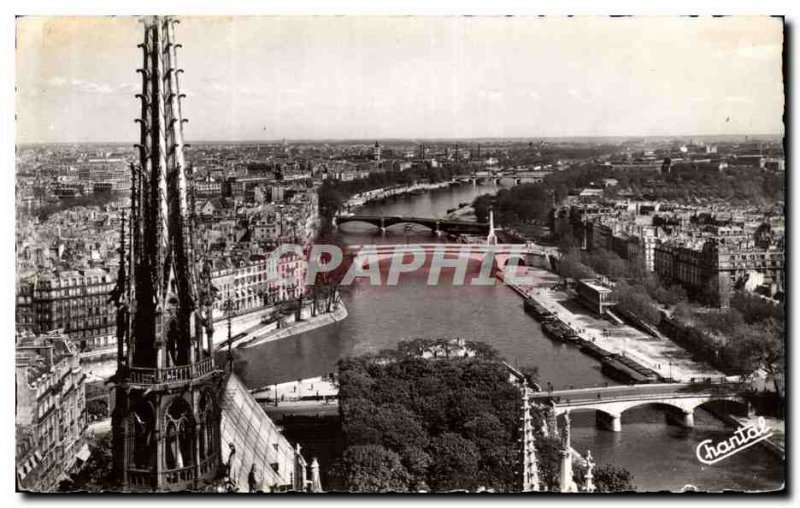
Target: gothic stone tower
x=166 y=422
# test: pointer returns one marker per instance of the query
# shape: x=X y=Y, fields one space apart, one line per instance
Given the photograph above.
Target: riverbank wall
x=239 y=324
x=373 y=195
x=270 y=332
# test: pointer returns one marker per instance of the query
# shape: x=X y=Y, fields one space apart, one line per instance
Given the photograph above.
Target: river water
x=661 y=457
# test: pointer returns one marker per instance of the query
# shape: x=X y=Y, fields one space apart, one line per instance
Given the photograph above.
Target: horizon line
x=418 y=140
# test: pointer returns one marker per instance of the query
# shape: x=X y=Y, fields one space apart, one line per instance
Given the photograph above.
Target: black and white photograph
x=410 y=254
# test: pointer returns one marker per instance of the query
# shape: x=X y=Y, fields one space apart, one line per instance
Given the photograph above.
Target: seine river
x=661 y=457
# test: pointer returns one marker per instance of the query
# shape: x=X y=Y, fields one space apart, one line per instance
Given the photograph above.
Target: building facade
x=74 y=301
x=595 y=295
x=50 y=411
x=112 y=170
x=712 y=270
x=258 y=282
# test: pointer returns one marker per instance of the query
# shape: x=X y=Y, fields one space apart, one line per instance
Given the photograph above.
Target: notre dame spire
x=166 y=420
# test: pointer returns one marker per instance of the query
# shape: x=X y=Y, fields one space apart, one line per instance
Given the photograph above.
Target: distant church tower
x=376 y=152
x=166 y=423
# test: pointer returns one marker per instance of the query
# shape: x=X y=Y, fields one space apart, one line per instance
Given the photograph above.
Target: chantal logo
x=743 y=437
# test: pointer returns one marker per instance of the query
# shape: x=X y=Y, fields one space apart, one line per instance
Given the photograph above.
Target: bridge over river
x=678 y=399
x=523 y=254
x=437 y=226
x=507 y=177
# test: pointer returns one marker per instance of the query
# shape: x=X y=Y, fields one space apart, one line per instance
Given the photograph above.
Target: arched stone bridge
x=435 y=225
x=678 y=399
x=495 y=178
x=503 y=177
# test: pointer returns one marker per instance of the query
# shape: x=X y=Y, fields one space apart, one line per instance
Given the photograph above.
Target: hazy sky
x=255 y=78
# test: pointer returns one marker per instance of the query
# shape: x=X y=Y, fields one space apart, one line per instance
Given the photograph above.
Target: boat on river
x=538 y=311
x=557 y=330
x=593 y=350
x=627 y=370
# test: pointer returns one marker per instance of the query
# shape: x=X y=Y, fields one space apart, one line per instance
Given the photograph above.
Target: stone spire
x=164 y=272
x=530 y=467
x=165 y=424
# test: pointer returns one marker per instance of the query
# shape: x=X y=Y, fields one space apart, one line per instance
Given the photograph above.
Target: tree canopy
x=610 y=478
x=451 y=421
x=373 y=468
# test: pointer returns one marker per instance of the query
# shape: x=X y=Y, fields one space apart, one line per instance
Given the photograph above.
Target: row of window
x=46 y=293
x=68 y=311
x=79 y=282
